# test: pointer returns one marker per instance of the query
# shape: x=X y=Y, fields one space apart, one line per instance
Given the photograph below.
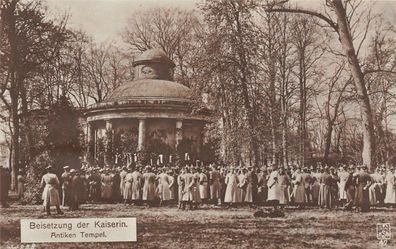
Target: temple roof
x=150 y=89
x=153 y=55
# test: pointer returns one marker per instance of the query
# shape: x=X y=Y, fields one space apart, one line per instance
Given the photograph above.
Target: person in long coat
x=172 y=185
x=282 y=187
x=315 y=185
x=299 y=188
x=65 y=177
x=307 y=179
x=50 y=183
x=195 y=189
x=163 y=189
x=76 y=189
x=215 y=185
x=260 y=186
x=241 y=186
x=123 y=173
x=181 y=185
x=362 y=199
x=127 y=192
x=21 y=184
x=390 y=194
x=325 y=194
x=188 y=182
x=107 y=186
x=343 y=178
x=149 y=186
x=350 y=188
x=273 y=187
x=249 y=178
x=231 y=192
x=203 y=185
x=136 y=188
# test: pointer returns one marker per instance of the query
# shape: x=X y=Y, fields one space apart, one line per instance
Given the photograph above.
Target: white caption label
x=78 y=230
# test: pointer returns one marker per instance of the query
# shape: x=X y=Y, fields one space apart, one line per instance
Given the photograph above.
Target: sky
x=106 y=19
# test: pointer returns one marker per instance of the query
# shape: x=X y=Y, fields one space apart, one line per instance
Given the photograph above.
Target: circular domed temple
x=152 y=112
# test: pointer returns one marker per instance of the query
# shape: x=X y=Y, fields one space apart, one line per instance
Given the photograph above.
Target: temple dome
x=153 y=55
x=150 y=89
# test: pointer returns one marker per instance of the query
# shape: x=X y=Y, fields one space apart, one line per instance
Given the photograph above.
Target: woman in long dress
x=50 y=183
x=390 y=180
x=172 y=185
x=248 y=187
x=231 y=192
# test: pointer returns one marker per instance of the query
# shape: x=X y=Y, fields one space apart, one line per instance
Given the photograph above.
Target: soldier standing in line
x=215 y=185
x=50 y=183
x=181 y=184
x=188 y=183
x=76 y=189
x=65 y=186
x=149 y=186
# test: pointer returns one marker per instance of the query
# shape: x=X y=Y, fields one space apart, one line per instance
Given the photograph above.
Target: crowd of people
x=346 y=187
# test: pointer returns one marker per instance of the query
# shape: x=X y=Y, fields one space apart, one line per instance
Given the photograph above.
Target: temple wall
x=162 y=129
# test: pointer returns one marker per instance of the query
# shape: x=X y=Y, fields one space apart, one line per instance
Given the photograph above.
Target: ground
x=218 y=227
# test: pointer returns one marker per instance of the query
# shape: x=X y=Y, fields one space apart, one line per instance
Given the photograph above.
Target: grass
x=214 y=227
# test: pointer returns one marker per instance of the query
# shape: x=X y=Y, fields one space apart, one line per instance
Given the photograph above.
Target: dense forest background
x=286 y=84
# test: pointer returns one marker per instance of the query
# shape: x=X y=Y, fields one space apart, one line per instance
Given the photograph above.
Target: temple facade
x=151 y=114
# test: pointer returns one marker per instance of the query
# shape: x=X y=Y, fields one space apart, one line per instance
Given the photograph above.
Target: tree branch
x=307 y=12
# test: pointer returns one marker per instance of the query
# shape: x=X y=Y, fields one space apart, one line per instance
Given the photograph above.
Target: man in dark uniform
x=76 y=189
x=66 y=186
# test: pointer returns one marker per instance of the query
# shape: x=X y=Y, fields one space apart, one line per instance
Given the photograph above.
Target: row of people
x=322 y=186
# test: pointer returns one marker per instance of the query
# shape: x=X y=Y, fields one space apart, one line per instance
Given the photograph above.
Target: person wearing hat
x=325 y=199
x=188 y=183
x=215 y=185
x=137 y=184
x=50 y=183
x=76 y=189
x=21 y=184
x=231 y=192
x=107 y=186
x=390 y=181
x=273 y=187
x=127 y=185
x=163 y=189
x=65 y=177
x=149 y=186
x=203 y=184
x=343 y=178
x=299 y=188
x=362 y=198
x=181 y=185
x=123 y=173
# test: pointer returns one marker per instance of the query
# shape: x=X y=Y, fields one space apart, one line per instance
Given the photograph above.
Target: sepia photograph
x=197 y=124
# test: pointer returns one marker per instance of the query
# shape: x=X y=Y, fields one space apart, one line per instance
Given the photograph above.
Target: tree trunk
x=358 y=78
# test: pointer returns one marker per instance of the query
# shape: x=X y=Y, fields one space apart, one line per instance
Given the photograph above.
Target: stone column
x=90 y=143
x=108 y=143
x=142 y=134
x=179 y=133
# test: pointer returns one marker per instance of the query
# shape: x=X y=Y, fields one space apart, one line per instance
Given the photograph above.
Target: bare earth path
x=219 y=228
